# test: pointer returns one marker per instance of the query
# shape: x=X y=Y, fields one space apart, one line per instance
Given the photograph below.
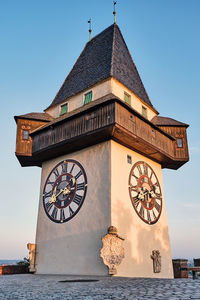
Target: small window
x=180 y=143
x=64 y=109
x=127 y=98
x=88 y=97
x=144 y=111
x=25 y=135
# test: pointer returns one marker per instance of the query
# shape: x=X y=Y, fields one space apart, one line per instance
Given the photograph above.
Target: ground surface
x=42 y=287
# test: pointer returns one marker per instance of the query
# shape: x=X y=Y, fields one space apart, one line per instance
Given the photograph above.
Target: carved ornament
x=112 y=251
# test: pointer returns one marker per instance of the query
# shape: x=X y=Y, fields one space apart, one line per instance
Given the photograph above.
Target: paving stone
x=46 y=287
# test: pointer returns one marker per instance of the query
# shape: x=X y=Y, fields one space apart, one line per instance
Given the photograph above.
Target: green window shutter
x=144 y=111
x=88 y=98
x=64 y=109
x=127 y=98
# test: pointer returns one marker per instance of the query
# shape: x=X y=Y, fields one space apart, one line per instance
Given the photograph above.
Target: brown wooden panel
x=178 y=132
x=23 y=146
x=72 y=128
x=144 y=130
x=110 y=120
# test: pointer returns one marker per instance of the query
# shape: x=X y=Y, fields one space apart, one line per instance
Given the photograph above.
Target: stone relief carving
x=112 y=251
x=32 y=251
x=156 y=261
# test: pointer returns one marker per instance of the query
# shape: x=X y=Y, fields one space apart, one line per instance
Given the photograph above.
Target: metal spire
x=90 y=30
x=114 y=11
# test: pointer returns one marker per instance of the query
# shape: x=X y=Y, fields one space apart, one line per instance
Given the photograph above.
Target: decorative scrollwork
x=112 y=251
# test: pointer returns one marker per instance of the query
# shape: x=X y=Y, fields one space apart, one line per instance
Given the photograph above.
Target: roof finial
x=114 y=11
x=90 y=30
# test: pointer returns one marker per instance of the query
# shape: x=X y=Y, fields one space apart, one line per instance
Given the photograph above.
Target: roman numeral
x=47 y=194
x=72 y=168
x=54 y=213
x=153 y=214
x=71 y=211
x=59 y=180
x=157 y=189
x=78 y=175
x=50 y=182
x=62 y=214
x=157 y=195
x=48 y=206
x=64 y=168
x=148 y=216
x=136 y=201
x=139 y=169
x=77 y=199
x=133 y=188
x=141 y=212
x=80 y=186
x=145 y=170
x=56 y=173
x=157 y=207
x=151 y=175
x=135 y=176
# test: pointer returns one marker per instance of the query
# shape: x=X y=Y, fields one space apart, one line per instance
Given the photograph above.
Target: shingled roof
x=164 y=121
x=105 y=56
x=37 y=116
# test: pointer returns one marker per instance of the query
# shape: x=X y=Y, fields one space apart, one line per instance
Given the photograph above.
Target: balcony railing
x=110 y=120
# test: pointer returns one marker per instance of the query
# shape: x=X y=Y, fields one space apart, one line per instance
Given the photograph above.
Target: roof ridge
x=96 y=36
x=67 y=77
x=117 y=27
x=113 y=43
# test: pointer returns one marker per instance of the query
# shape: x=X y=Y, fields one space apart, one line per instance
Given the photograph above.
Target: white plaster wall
x=140 y=238
x=74 y=247
x=99 y=90
x=118 y=89
x=53 y=111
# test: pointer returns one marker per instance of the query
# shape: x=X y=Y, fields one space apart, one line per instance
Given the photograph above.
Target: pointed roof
x=105 y=56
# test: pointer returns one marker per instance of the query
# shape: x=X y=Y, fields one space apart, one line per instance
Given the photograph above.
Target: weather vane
x=90 y=30
x=114 y=11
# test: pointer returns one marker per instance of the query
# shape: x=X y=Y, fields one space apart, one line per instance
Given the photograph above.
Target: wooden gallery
x=102 y=145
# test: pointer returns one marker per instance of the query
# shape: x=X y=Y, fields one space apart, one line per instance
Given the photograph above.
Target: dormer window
x=64 y=109
x=144 y=111
x=127 y=98
x=88 y=97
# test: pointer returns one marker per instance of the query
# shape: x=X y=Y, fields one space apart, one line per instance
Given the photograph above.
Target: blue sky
x=40 y=42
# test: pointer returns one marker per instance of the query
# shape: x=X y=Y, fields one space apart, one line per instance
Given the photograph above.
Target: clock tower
x=102 y=146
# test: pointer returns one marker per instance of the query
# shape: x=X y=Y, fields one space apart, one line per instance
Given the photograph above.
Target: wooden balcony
x=100 y=121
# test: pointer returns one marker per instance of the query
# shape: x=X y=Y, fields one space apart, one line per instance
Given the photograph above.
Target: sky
x=39 y=43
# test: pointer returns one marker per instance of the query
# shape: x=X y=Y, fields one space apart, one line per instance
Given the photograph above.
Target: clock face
x=64 y=191
x=145 y=192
